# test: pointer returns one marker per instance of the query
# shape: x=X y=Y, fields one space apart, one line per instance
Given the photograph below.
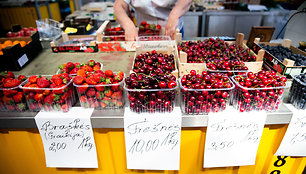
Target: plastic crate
x=204 y=101
x=10 y=101
x=151 y=100
x=108 y=96
x=153 y=38
x=261 y=99
x=297 y=94
x=229 y=72
x=113 y=38
x=62 y=101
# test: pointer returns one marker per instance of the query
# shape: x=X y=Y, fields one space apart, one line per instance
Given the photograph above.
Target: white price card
x=232 y=138
x=68 y=138
x=152 y=141
x=294 y=141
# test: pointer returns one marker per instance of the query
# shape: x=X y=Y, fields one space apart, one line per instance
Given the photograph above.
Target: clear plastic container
x=204 y=101
x=249 y=99
x=297 y=94
x=49 y=99
x=48 y=28
x=153 y=38
x=151 y=100
x=108 y=96
x=113 y=38
x=12 y=99
x=59 y=70
x=229 y=72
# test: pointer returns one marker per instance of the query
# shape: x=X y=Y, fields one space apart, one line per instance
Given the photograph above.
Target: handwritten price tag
x=68 y=138
x=294 y=141
x=152 y=141
x=232 y=139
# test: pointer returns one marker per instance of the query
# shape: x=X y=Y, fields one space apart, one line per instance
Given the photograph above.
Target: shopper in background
x=162 y=11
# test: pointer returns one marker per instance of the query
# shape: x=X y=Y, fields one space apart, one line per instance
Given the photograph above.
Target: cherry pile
x=297 y=95
x=151 y=94
x=205 y=93
x=152 y=63
x=259 y=91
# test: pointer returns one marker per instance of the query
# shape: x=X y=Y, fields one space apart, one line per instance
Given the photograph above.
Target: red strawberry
x=18 y=97
x=21 y=107
x=115 y=88
x=33 y=79
x=117 y=95
x=103 y=105
x=22 y=78
x=91 y=92
x=96 y=68
x=43 y=82
x=108 y=93
x=46 y=92
x=77 y=65
x=88 y=68
x=69 y=65
x=8 y=74
x=11 y=83
x=49 y=99
x=99 y=95
x=120 y=73
x=74 y=70
x=83 y=99
x=91 y=81
x=65 y=76
x=82 y=89
x=100 y=86
x=64 y=96
x=108 y=81
x=60 y=89
x=7 y=100
x=158 y=27
x=39 y=97
x=97 y=77
x=78 y=80
x=143 y=23
x=118 y=78
x=91 y=63
x=10 y=107
x=64 y=108
x=99 y=71
x=109 y=73
x=57 y=80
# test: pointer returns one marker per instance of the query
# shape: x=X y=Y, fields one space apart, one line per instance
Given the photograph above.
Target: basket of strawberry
x=151 y=93
x=260 y=91
x=49 y=92
x=205 y=93
x=100 y=90
x=11 y=96
x=72 y=68
x=147 y=29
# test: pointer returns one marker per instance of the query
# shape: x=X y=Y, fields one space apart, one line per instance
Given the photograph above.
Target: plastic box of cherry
x=260 y=91
x=205 y=93
x=297 y=95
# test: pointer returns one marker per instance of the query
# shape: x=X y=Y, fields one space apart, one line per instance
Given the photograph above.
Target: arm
x=178 y=11
x=120 y=9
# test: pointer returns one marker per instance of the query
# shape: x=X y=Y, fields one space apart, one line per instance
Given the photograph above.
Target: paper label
x=294 y=141
x=23 y=60
x=232 y=139
x=152 y=141
x=68 y=138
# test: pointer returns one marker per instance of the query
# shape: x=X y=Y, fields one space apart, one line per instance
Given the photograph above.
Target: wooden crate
x=282 y=68
x=170 y=50
x=121 y=45
x=184 y=67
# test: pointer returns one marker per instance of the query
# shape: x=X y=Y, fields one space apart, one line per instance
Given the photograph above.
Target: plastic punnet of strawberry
x=72 y=68
x=260 y=91
x=11 y=96
x=151 y=93
x=49 y=92
x=100 y=90
x=204 y=93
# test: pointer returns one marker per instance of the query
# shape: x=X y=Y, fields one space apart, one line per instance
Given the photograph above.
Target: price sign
x=232 y=139
x=68 y=138
x=152 y=141
x=294 y=141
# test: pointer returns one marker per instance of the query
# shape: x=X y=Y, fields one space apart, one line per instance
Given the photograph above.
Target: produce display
x=22 y=33
x=281 y=53
x=151 y=93
x=297 y=95
x=152 y=63
x=72 y=68
x=11 y=96
x=205 y=93
x=9 y=43
x=100 y=90
x=114 y=31
x=146 y=29
x=49 y=92
x=260 y=91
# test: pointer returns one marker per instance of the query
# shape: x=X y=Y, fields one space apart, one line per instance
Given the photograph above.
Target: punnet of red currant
x=260 y=91
x=297 y=94
x=204 y=93
x=151 y=94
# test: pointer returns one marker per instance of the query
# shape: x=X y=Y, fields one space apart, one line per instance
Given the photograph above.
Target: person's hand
x=131 y=33
x=171 y=25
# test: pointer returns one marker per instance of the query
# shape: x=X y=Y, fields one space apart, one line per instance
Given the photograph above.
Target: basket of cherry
x=151 y=93
x=11 y=96
x=72 y=68
x=100 y=90
x=204 y=93
x=49 y=92
x=297 y=94
x=260 y=91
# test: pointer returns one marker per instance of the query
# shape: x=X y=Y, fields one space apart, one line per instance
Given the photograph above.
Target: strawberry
x=46 y=92
x=108 y=81
x=69 y=65
x=31 y=95
x=22 y=78
x=77 y=65
x=57 y=80
x=8 y=74
x=117 y=95
x=60 y=89
x=108 y=93
x=143 y=23
x=39 y=97
x=33 y=79
x=49 y=99
x=103 y=105
x=83 y=99
x=120 y=73
x=78 y=80
x=65 y=76
x=91 y=63
x=64 y=108
x=115 y=88
x=99 y=71
x=96 y=68
x=91 y=92
x=43 y=82
x=74 y=70
x=82 y=89
x=7 y=100
x=95 y=104
x=99 y=95
x=33 y=106
x=10 y=107
x=64 y=96
x=88 y=68
x=21 y=107
x=117 y=78
x=97 y=77
x=90 y=80
x=81 y=72
x=100 y=86
x=158 y=27
x=90 y=100
x=18 y=97
x=11 y=83
x=109 y=73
